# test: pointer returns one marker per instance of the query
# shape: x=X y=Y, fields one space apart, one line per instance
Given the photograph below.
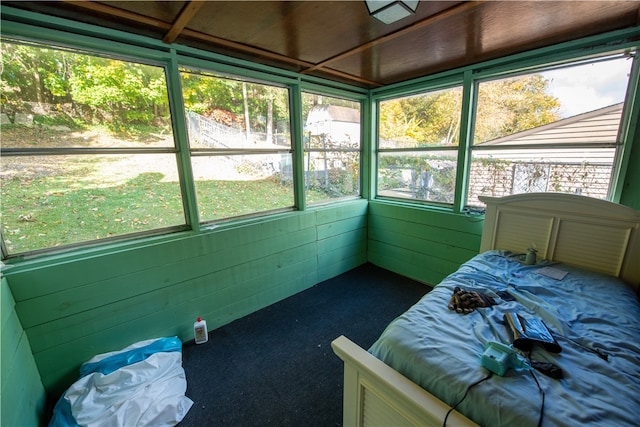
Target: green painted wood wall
x=631 y=192
x=73 y=310
x=421 y=244
x=22 y=395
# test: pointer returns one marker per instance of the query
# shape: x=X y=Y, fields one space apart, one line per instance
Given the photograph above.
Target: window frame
x=85 y=151
x=617 y=146
x=437 y=87
x=210 y=72
x=360 y=150
x=60 y=33
x=560 y=56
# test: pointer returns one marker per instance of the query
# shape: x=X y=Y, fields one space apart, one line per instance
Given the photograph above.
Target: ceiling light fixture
x=391 y=11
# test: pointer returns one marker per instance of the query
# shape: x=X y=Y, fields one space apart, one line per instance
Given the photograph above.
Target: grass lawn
x=51 y=201
x=37 y=214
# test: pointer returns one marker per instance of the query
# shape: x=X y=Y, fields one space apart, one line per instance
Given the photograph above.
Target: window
x=555 y=130
x=87 y=149
x=331 y=147
x=560 y=128
x=418 y=146
x=240 y=144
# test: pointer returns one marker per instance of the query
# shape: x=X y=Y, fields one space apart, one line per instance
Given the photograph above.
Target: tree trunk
x=270 y=120
x=246 y=113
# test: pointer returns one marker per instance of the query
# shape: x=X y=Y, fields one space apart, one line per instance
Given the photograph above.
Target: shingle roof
x=598 y=126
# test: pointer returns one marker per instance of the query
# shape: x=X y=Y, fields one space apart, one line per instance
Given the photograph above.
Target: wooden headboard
x=582 y=231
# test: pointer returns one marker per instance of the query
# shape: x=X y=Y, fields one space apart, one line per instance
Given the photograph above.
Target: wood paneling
x=103 y=302
x=22 y=393
x=631 y=194
x=423 y=245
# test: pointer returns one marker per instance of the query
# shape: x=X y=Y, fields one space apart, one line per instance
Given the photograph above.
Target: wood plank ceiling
x=340 y=41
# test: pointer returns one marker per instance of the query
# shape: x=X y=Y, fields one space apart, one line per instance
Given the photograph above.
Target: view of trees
x=432 y=120
x=429 y=119
x=97 y=90
x=124 y=95
x=513 y=105
x=504 y=107
x=234 y=103
x=130 y=100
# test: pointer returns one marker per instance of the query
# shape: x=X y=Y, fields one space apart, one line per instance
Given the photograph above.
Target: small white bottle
x=200 y=331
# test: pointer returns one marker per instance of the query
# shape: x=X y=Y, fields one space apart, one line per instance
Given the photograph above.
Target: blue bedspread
x=594 y=318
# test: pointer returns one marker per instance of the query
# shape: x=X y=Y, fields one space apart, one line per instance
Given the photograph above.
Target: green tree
x=427 y=119
x=34 y=74
x=504 y=107
x=201 y=93
x=119 y=92
x=398 y=124
x=513 y=105
x=264 y=105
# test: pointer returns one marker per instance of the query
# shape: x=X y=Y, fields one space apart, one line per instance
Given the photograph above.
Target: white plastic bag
x=142 y=385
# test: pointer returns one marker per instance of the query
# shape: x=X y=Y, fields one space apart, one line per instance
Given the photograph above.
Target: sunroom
x=166 y=160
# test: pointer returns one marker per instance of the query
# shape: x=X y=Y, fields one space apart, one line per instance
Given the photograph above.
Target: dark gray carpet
x=276 y=366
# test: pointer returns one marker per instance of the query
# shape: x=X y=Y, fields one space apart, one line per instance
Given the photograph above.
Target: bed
x=426 y=368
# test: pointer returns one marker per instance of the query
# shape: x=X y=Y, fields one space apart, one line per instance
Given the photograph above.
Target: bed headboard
x=582 y=231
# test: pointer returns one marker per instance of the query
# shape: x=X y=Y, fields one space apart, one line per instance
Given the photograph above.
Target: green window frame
x=240 y=145
x=417 y=146
x=471 y=79
x=84 y=160
x=332 y=147
x=179 y=154
x=561 y=132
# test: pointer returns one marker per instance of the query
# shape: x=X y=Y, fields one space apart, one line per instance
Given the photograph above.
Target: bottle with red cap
x=200 y=331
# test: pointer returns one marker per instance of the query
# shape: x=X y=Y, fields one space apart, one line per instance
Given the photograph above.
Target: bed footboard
x=375 y=394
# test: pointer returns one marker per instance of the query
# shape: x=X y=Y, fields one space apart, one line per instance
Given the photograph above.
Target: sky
x=589 y=87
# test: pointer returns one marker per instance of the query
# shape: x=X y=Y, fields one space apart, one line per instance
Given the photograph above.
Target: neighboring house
x=328 y=130
x=587 y=153
x=337 y=124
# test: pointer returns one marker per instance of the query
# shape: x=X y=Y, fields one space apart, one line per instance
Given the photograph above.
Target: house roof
x=597 y=127
x=333 y=112
x=338 y=40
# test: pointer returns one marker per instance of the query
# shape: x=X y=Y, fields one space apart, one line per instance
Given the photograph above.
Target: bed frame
x=581 y=231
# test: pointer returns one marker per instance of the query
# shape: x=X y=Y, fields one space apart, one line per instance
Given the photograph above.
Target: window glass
x=417 y=146
x=550 y=131
x=331 y=147
x=240 y=139
x=419 y=175
x=429 y=119
x=239 y=185
x=87 y=149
